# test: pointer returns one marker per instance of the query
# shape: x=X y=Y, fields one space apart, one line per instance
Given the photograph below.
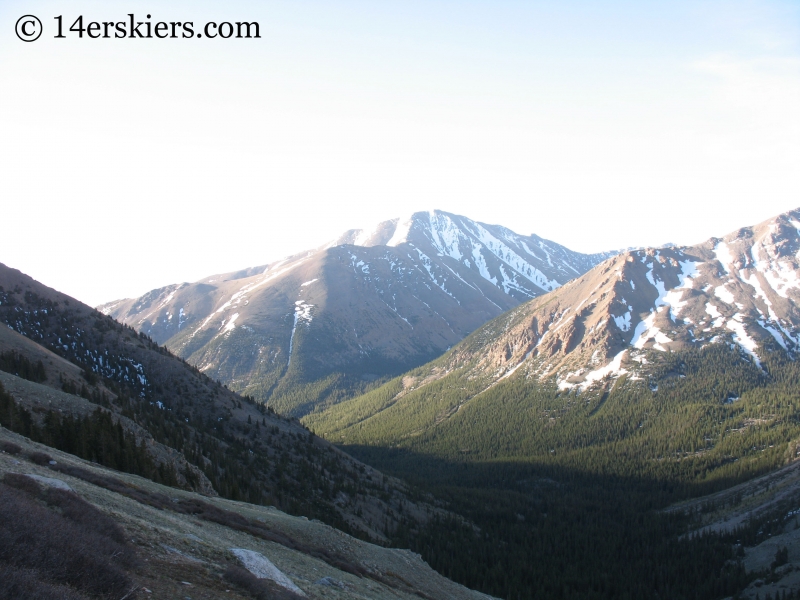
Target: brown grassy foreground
x=116 y=535
x=53 y=544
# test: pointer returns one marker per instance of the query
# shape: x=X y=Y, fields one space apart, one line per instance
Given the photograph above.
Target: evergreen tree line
x=94 y=437
x=281 y=468
x=21 y=366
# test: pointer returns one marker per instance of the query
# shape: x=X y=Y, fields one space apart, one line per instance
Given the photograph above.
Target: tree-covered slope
x=246 y=451
x=700 y=416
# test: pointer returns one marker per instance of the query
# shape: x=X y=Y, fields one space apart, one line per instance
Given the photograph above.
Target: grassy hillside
x=71 y=529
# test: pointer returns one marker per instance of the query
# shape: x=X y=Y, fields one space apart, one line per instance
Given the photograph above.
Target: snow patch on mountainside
x=781 y=277
x=514 y=260
x=401 y=231
x=724 y=295
x=624 y=321
x=671 y=300
x=480 y=262
x=510 y=283
x=426 y=262
x=445 y=235
x=302 y=312
x=614 y=368
x=714 y=313
x=724 y=256
x=741 y=337
x=646 y=330
x=231 y=324
x=674 y=298
x=365 y=235
x=240 y=296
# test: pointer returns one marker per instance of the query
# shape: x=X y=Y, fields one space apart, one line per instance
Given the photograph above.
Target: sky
x=129 y=164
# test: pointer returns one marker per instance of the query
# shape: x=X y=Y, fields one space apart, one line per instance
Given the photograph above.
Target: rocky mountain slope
x=317 y=326
x=742 y=290
x=638 y=321
x=202 y=435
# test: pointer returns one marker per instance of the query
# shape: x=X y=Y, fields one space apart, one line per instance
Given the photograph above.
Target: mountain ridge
x=367 y=305
x=743 y=287
x=629 y=325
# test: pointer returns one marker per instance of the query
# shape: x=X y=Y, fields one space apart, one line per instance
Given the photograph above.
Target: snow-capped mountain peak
x=373 y=302
x=525 y=266
x=743 y=290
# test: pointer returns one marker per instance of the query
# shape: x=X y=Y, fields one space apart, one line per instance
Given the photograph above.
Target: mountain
x=742 y=290
x=78 y=380
x=713 y=324
x=322 y=325
x=658 y=376
x=523 y=488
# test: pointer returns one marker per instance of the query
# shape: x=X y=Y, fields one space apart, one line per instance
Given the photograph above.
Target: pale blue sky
x=130 y=164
